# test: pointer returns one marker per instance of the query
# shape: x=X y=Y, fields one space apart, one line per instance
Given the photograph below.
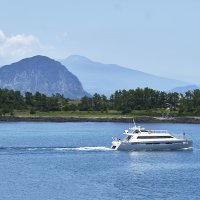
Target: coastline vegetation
x=123 y=103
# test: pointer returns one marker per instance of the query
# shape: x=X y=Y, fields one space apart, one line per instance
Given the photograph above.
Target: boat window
x=153 y=137
x=128 y=138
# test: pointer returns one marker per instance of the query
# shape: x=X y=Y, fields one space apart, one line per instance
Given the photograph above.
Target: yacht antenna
x=134 y=123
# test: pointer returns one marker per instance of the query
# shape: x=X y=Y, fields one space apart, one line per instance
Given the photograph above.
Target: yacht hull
x=153 y=146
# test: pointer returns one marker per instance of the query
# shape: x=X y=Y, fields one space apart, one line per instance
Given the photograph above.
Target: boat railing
x=115 y=139
x=158 y=131
x=181 y=136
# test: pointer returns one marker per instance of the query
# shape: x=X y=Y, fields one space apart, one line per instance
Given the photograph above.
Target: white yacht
x=137 y=139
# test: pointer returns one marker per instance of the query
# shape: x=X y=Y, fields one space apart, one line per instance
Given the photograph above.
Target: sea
x=73 y=161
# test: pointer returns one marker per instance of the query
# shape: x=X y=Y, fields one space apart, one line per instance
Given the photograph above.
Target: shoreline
x=190 y=120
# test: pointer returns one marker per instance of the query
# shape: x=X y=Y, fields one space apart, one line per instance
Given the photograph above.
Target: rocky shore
x=192 y=120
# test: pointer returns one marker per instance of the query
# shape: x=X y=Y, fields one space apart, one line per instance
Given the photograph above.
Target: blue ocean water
x=61 y=161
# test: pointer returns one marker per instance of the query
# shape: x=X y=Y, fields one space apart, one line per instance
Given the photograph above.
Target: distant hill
x=43 y=74
x=184 y=88
x=106 y=78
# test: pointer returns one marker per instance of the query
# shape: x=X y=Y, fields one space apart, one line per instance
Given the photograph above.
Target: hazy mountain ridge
x=43 y=74
x=106 y=78
x=185 y=88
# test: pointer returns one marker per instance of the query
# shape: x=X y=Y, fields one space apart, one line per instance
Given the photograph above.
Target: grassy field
x=110 y=113
x=69 y=114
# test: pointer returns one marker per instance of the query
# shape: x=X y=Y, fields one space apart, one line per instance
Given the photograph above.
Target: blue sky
x=161 y=37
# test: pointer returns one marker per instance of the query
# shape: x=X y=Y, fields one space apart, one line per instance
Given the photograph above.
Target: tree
x=85 y=104
x=29 y=99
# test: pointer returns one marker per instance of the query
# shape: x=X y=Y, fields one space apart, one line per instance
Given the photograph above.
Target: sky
x=160 y=37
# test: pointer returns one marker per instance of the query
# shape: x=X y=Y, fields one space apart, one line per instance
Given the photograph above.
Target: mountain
x=185 y=88
x=43 y=74
x=106 y=78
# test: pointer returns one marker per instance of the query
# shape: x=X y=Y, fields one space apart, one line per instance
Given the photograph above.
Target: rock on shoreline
x=192 y=120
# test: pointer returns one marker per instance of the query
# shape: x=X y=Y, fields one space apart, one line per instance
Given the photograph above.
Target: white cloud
x=19 y=46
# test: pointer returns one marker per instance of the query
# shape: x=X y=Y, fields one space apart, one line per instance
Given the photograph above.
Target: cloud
x=19 y=46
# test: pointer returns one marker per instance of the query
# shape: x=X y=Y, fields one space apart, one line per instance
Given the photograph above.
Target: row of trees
x=144 y=99
x=190 y=102
x=122 y=100
x=13 y=100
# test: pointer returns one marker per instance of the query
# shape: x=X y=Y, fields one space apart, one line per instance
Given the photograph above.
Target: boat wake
x=85 y=149
x=187 y=149
x=21 y=150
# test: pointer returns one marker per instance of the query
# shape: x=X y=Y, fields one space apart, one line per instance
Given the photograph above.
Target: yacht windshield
x=128 y=137
x=145 y=131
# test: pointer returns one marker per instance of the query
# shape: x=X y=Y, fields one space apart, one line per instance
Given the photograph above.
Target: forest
x=149 y=101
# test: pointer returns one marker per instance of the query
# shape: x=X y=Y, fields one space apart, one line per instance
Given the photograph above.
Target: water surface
x=58 y=161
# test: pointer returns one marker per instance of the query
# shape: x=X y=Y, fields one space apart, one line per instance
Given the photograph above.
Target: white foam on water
x=94 y=149
x=98 y=148
x=84 y=149
x=32 y=149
